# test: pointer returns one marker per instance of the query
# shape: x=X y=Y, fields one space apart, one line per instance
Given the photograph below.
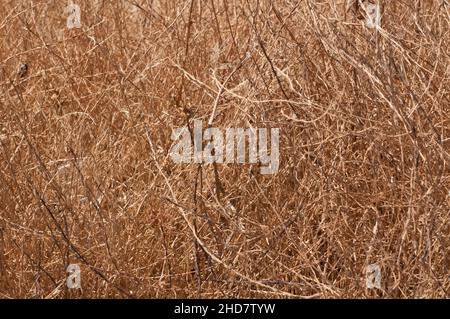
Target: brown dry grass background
x=85 y=176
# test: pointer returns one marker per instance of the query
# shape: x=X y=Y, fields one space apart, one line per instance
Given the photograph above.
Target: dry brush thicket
x=85 y=132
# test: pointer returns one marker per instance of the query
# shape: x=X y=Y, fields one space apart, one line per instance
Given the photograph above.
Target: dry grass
x=84 y=137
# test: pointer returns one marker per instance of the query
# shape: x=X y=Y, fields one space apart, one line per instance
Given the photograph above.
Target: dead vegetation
x=85 y=133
